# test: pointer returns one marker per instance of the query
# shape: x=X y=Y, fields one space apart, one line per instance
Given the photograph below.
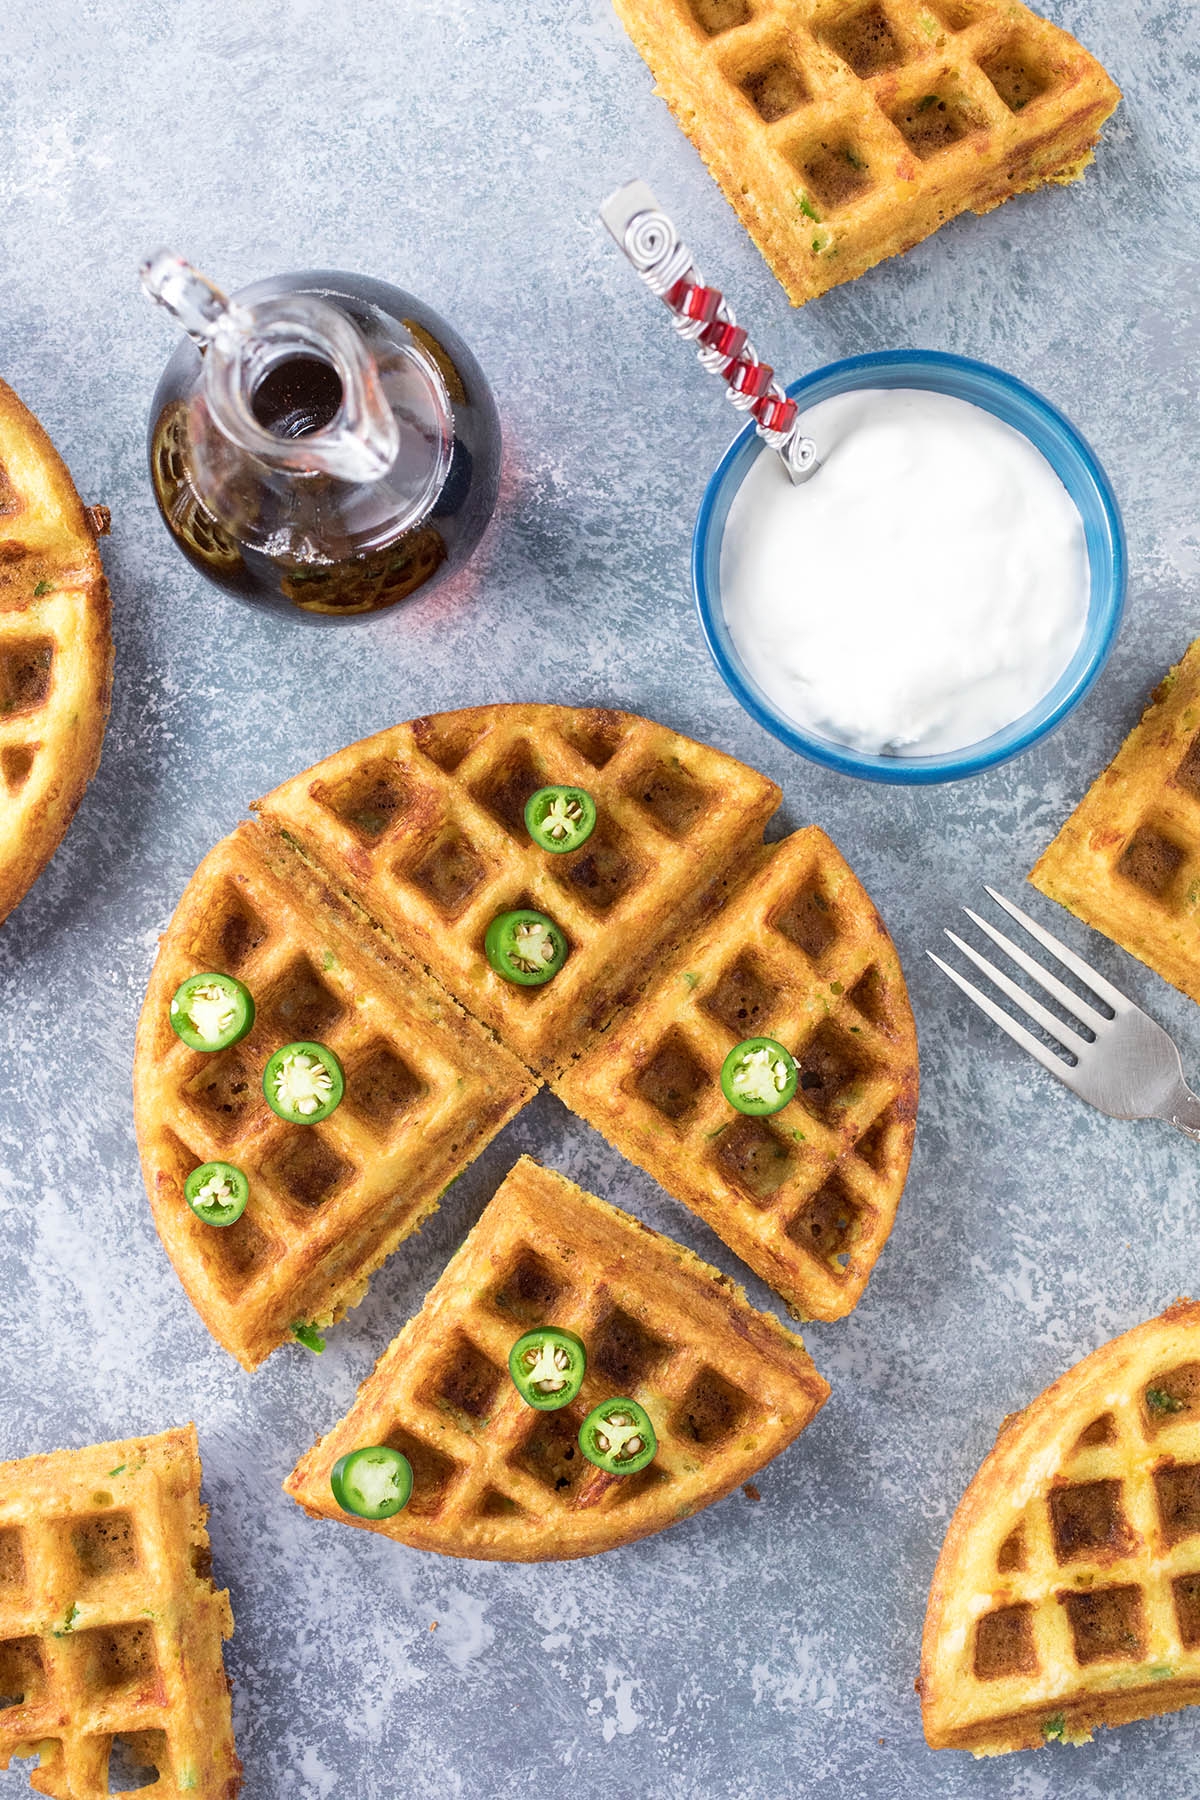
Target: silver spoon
x=703 y=315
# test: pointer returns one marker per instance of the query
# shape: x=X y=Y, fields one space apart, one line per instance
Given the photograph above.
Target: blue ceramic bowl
x=1080 y=473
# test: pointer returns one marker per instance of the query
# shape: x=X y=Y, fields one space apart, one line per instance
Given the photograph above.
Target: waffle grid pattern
x=1139 y=1487
x=425 y=825
x=1127 y=861
x=55 y=650
x=725 y=1387
x=110 y=1630
x=806 y=1197
x=1086 y=1595
x=425 y=1090
x=844 y=131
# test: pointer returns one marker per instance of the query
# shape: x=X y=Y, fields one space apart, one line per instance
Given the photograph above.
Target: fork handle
x=1183 y=1112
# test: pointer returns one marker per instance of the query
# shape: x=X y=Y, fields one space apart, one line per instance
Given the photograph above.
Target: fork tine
x=1053 y=1064
x=1078 y=1008
x=1063 y=1034
x=1104 y=989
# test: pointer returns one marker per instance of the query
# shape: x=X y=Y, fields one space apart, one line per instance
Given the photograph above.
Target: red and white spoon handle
x=703 y=315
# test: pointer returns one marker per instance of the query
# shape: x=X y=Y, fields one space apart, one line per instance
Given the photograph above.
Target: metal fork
x=1129 y=1068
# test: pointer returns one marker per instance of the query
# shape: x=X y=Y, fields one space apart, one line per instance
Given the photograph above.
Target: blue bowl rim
x=952 y=765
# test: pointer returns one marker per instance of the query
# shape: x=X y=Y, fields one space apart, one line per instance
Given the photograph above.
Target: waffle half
x=845 y=131
x=726 y=1387
x=807 y=1197
x=55 y=649
x=110 y=1627
x=426 y=1089
x=1067 y=1593
x=423 y=826
x=1127 y=861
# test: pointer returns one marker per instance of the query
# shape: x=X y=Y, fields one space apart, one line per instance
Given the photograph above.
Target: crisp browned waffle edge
x=55 y=649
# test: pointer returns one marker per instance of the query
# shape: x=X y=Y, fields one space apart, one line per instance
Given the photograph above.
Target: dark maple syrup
x=348 y=562
x=300 y=395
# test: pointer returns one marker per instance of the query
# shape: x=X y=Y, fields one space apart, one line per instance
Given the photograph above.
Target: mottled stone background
x=757 y=1650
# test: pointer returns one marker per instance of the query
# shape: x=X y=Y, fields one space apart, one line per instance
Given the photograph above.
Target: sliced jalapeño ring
x=211 y=1011
x=525 y=947
x=372 y=1483
x=303 y=1083
x=759 y=1076
x=560 y=818
x=547 y=1367
x=217 y=1193
x=618 y=1437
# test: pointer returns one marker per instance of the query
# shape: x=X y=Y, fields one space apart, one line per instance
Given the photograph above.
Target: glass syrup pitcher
x=320 y=442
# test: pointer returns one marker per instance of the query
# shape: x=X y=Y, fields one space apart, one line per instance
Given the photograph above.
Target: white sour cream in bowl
x=926 y=587
x=932 y=599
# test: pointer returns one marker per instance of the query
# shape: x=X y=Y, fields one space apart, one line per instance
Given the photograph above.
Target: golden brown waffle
x=726 y=1387
x=1067 y=1593
x=423 y=826
x=1127 y=861
x=426 y=1089
x=110 y=1627
x=55 y=649
x=401 y=850
x=806 y=1197
x=844 y=131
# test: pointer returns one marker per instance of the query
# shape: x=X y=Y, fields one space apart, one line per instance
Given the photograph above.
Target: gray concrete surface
x=756 y=1651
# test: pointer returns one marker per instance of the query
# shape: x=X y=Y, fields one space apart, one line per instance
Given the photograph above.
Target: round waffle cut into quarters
x=1067 y=1593
x=726 y=1387
x=110 y=1626
x=55 y=648
x=355 y=907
